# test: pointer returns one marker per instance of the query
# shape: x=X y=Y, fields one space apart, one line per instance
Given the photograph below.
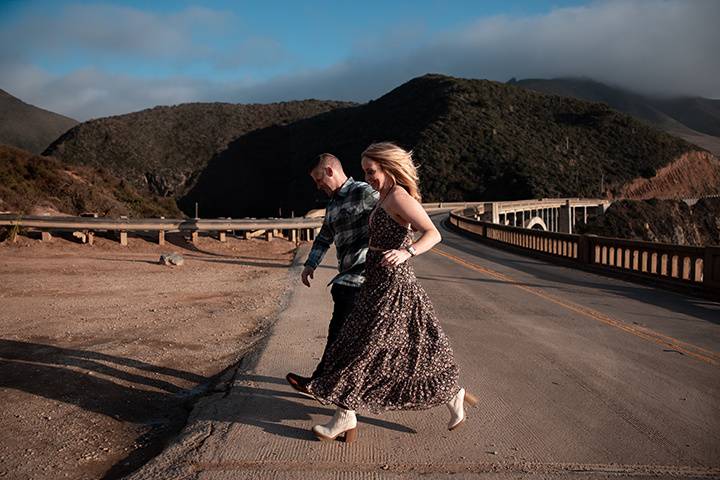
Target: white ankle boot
x=343 y=422
x=457 y=408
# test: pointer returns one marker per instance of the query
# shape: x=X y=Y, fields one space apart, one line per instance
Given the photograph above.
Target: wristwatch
x=411 y=250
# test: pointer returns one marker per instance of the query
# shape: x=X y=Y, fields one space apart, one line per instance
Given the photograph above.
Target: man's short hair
x=326 y=160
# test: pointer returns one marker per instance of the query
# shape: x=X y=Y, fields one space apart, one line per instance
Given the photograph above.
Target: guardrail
x=85 y=227
x=447 y=206
x=673 y=265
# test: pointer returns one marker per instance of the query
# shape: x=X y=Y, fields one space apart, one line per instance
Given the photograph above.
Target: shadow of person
x=34 y=352
x=274 y=410
x=113 y=386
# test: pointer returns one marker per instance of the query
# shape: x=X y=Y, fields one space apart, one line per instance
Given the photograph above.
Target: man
x=346 y=224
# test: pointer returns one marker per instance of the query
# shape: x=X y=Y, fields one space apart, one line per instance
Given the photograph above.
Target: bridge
x=555 y=215
x=688 y=268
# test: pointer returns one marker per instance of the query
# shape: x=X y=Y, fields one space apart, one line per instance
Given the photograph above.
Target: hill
x=33 y=184
x=27 y=127
x=694 y=119
x=692 y=175
x=161 y=150
x=473 y=139
x=664 y=221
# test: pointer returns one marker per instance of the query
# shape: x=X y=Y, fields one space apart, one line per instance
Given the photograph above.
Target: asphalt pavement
x=578 y=376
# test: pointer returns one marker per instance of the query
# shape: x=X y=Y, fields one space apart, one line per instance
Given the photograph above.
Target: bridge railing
x=85 y=227
x=679 y=265
x=155 y=224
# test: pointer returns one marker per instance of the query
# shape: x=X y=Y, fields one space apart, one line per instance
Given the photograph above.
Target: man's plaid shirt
x=346 y=223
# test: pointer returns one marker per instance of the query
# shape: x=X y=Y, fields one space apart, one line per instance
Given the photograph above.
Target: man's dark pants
x=344 y=299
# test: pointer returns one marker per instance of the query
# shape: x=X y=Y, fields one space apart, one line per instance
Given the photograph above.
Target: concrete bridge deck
x=578 y=375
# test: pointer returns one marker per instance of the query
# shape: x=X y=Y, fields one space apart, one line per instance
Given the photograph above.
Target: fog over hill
x=473 y=139
x=28 y=127
x=695 y=119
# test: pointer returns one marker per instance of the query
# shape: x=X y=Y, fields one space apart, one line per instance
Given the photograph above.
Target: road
x=578 y=376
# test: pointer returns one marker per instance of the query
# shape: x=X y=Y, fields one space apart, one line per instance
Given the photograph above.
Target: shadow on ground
x=124 y=389
x=271 y=408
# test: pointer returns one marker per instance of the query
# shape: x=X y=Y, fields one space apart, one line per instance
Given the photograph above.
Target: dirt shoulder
x=103 y=350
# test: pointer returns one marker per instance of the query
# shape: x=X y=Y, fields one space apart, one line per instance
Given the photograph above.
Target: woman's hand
x=393 y=258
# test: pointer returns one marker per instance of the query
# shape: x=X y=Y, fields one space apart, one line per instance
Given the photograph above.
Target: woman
x=391 y=353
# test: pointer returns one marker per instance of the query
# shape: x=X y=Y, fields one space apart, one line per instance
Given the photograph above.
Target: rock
x=171 y=259
x=81 y=236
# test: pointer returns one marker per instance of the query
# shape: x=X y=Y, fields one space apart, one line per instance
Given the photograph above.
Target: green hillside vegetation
x=473 y=140
x=27 y=127
x=162 y=149
x=29 y=182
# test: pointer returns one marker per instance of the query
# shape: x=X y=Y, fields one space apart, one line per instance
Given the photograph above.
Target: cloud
x=94 y=30
x=650 y=46
x=653 y=47
x=91 y=93
x=254 y=51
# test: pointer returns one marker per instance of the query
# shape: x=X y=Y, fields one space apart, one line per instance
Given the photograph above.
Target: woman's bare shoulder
x=399 y=200
x=398 y=194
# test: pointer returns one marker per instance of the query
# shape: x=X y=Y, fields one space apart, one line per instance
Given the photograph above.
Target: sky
x=88 y=59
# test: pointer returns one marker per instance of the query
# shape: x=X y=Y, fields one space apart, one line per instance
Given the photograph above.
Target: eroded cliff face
x=663 y=221
x=691 y=175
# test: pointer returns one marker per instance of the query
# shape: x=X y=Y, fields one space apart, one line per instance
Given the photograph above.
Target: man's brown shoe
x=299 y=383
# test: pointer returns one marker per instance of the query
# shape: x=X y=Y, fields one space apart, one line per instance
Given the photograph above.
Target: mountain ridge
x=29 y=127
x=474 y=140
x=161 y=149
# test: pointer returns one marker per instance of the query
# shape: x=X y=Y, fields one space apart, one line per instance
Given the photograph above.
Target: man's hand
x=307 y=272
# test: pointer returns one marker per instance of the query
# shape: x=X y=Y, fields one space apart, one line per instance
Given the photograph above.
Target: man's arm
x=370 y=197
x=321 y=244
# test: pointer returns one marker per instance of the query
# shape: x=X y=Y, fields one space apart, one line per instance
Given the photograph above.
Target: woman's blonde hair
x=397 y=164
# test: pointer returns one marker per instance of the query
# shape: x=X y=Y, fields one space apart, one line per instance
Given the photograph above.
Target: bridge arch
x=536 y=223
